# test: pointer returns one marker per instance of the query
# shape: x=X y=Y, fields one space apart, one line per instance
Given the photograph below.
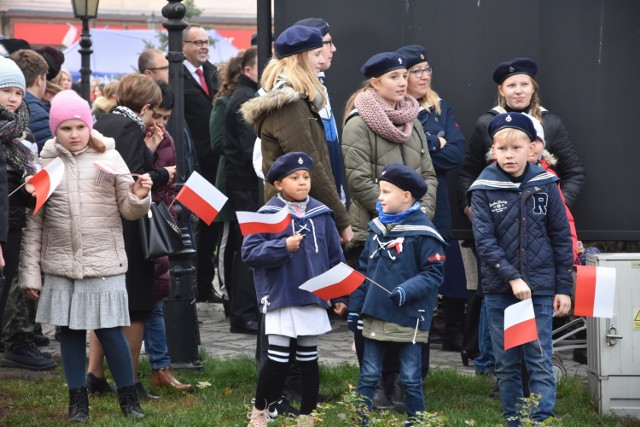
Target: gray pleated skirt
x=91 y=303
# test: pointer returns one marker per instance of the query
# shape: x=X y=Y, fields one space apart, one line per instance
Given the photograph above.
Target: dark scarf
x=121 y=110
x=12 y=127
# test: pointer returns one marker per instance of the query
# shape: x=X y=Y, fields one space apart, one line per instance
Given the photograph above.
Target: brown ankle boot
x=164 y=378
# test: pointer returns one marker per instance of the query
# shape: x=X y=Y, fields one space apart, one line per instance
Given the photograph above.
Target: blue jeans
x=155 y=337
x=485 y=362
x=537 y=356
x=410 y=356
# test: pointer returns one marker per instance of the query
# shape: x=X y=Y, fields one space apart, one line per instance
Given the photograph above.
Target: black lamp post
x=181 y=317
x=85 y=10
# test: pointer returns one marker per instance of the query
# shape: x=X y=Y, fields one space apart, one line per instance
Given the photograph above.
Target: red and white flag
x=254 y=222
x=595 y=291
x=519 y=324
x=201 y=198
x=339 y=281
x=46 y=181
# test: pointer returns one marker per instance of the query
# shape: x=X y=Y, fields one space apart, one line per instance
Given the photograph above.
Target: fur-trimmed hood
x=255 y=110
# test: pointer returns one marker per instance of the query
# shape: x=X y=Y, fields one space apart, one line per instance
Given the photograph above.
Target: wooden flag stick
x=378 y=285
x=21 y=185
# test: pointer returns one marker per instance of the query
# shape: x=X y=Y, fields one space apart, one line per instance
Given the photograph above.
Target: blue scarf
x=387 y=218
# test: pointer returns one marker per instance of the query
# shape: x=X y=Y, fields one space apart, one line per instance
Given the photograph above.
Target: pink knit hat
x=68 y=105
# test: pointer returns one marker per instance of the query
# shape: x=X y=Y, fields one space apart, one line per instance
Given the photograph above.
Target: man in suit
x=200 y=85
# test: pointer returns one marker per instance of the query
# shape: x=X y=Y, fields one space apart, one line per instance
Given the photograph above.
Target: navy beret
x=515 y=66
x=405 y=178
x=289 y=163
x=297 y=39
x=414 y=54
x=317 y=23
x=513 y=121
x=382 y=63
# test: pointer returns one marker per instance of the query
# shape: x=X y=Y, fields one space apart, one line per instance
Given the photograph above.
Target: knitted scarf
x=12 y=126
x=128 y=112
x=392 y=124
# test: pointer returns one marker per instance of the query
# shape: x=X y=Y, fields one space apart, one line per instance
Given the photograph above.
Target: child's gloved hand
x=354 y=322
x=398 y=296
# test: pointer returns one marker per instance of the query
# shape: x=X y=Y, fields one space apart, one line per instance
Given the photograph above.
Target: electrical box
x=613 y=345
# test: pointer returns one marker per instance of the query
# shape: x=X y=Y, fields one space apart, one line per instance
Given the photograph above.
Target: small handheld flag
x=46 y=181
x=339 y=281
x=595 y=291
x=201 y=197
x=519 y=324
x=253 y=222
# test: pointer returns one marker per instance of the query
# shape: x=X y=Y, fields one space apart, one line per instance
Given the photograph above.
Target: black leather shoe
x=248 y=327
x=40 y=340
x=27 y=356
x=210 y=298
x=98 y=386
x=144 y=394
x=129 y=402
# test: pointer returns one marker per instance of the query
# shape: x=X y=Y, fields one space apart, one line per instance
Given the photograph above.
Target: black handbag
x=159 y=234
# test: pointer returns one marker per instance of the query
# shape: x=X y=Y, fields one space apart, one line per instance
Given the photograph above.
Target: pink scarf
x=393 y=124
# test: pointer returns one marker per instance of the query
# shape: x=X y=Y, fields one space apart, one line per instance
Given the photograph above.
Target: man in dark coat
x=200 y=85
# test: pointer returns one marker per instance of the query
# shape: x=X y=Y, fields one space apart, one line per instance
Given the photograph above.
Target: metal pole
x=181 y=317
x=85 y=53
x=264 y=34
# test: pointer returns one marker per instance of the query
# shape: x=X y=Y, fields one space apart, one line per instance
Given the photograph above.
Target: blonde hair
x=534 y=107
x=297 y=72
x=431 y=101
x=352 y=99
x=58 y=79
x=507 y=134
x=96 y=144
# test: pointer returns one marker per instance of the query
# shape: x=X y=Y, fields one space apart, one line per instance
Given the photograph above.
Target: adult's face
x=419 y=80
x=316 y=60
x=159 y=69
x=517 y=91
x=328 y=49
x=196 y=46
x=391 y=86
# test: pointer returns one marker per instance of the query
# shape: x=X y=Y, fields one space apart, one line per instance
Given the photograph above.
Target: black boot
x=78 y=405
x=394 y=391
x=129 y=402
x=144 y=394
x=98 y=386
x=380 y=399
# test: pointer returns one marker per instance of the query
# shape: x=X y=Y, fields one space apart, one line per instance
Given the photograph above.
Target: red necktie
x=202 y=82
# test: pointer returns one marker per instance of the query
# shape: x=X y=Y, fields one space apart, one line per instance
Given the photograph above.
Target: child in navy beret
x=382 y=63
x=404 y=258
x=283 y=261
x=518 y=121
x=297 y=39
x=515 y=66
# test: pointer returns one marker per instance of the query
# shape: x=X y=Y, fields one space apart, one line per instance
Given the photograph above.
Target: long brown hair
x=230 y=73
x=96 y=144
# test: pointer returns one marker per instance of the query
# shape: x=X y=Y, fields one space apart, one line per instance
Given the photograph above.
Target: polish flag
x=595 y=291
x=519 y=324
x=201 y=198
x=46 y=181
x=339 y=281
x=253 y=222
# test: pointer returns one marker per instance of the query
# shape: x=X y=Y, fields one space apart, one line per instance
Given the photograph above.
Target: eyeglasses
x=328 y=42
x=158 y=116
x=420 y=72
x=198 y=43
x=159 y=68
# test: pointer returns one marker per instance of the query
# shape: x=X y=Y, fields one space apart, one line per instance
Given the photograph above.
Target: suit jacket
x=197 y=109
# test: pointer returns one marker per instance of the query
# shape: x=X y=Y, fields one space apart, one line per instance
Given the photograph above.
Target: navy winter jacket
x=410 y=256
x=277 y=272
x=521 y=231
x=38 y=120
x=444 y=160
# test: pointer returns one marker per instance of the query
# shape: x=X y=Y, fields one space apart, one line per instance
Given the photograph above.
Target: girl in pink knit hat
x=73 y=260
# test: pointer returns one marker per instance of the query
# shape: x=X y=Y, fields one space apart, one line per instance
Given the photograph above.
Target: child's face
x=73 y=134
x=537 y=150
x=394 y=199
x=512 y=151
x=11 y=98
x=295 y=186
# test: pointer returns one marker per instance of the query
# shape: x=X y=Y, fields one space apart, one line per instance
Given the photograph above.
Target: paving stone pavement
x=335 y=347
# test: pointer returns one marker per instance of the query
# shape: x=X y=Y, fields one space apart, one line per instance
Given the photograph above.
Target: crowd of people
x=370 y=190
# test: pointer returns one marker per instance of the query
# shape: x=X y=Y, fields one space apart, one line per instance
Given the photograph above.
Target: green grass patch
x=225 y=387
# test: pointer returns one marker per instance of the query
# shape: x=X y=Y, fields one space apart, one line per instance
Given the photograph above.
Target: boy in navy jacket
x=404 y=259
x=282 y=262
x=525 y=249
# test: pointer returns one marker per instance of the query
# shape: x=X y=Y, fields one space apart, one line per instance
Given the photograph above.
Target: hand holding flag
x=595 y=291
x=201 y=198
x=519 y=324
x=45 y=182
